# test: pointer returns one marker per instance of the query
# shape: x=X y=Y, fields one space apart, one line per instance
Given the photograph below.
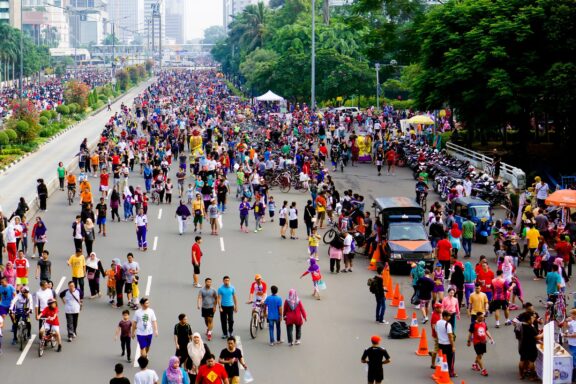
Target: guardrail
x=514 y=175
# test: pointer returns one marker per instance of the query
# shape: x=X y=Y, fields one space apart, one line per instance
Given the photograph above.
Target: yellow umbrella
x=421 y=119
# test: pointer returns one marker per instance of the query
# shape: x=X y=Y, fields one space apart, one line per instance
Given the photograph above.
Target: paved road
x=339 y=325
x=20 y=180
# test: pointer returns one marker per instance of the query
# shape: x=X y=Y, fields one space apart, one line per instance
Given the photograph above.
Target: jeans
x=467 y=246
x=125 y=344
x=289 y=328
x=227 y=320
x=71 y=323
x=79 y=283
x=380 y=308
x=274 y=324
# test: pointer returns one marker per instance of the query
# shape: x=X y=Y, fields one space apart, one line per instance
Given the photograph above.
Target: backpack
x=399 y=330
x=371 y=285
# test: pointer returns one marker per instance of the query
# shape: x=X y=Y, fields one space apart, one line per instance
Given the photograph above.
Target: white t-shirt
x=292 y=214
x=42 y=297
x=443 y=329
x=541 y=190
x=347 y=244
x=144 y=319
x=147 y=376
x=571 y=329
x=467 y=187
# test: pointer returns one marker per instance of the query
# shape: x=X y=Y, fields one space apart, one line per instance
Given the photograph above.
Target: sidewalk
x=20 y=179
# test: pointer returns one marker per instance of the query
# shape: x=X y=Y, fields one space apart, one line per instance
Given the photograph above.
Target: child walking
x=314 y=271
x=111 y=283
x=271 y=208
x=123 y=331
x=313 y=241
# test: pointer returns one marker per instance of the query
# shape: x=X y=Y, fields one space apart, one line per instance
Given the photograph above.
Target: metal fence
x=514 y=175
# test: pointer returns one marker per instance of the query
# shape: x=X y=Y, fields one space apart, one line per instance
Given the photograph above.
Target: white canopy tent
x=270 y=96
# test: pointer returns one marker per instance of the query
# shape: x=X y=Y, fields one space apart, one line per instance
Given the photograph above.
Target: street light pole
x=113 y=49
x=313 y=69
x=21 y=51
x=377 y=66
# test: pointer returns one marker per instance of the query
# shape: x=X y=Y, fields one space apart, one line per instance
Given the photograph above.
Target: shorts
x=111 y=291
x=271 y=213
x=127 y=287
x=424 y=303
x=21 y=281
x=498 y=304
x=282 y=222
x=196 y=269
x=480 y=348
x=101 y=221
x=349 y=256
x=104 y=188
x=51 y=328
x=313 y=249
x=321 y=215
x=4 y=310
x=207 y=312
x=235 y=380
x=198 y=219
x=293 y=224
x=376 y=376
x=144 y=341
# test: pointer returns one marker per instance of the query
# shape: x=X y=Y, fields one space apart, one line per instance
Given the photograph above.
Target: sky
x=204 y=13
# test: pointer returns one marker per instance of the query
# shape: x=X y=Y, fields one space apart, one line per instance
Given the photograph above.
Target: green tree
x=110 y=40
x=258 y=68
x=214 y=34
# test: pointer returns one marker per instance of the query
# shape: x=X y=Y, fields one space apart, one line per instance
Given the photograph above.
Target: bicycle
x=22 y=333
x=71 y=194
x=48 y=339
x=421 y=199
x=555 y=308
x=257 y=319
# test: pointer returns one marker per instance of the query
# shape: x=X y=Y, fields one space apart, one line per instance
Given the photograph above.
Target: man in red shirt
x=443 y=254
x=104 y=177
x=391 y=160
x=212 y=373
x=564 y=250
x=485 y=277
x=479 y=336
x=22 y=266
x=51 y=323
x=196 y=259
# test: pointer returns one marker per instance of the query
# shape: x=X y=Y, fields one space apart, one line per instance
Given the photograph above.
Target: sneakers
x=59 y=348
x=508 y=322
x=224 y=336
x=209 y=336
x=297 y=342
x=484 y=372
x=475 y=367
x=271 y=344
x=425 y=320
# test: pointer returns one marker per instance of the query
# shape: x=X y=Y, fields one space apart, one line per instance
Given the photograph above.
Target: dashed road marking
x=59 y=286
x=239 y=345
x=136 y=355
x=155 y=243
x=148 y=286
x=220 y=222
x=160 y=214
x=222 y=244
x=26 y=349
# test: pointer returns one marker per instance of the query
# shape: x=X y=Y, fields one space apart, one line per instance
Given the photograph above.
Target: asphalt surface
x=338 y=329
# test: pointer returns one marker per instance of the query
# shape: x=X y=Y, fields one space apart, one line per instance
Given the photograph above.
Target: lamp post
x=377 y=66
x=313 y=69
x=21 y=85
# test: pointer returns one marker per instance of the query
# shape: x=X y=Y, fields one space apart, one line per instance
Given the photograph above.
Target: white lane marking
x=222 y=244
x=59 y=286
x=148 y=286
x=239 y=345
x=220 y=222
x=155 y=243
x=160 y=214
x=136 y=355
x=25 y=351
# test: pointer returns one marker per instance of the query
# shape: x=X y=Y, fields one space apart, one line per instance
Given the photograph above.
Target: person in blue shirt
x=553 y=281
x=7 y=293
x=228 y=304
x=273 y=305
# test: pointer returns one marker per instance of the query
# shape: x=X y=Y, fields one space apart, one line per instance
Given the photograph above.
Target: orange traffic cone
x=438 y=365
x=396 y=297
x=444 y=377
x=414 y=334
x=389 y=290
x=423 y=346
x=374 y=260
x=401 y=314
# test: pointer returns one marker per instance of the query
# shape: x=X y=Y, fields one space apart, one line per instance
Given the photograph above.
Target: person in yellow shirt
x=198 y=211
x=85 y=197
x=313 y=242
x=77 y=264
x=85 y=184
x=95 y=161
x=532 y=237
x=478 y=302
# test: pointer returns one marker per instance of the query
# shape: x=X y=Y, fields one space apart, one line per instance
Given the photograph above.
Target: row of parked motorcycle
x=445 y=171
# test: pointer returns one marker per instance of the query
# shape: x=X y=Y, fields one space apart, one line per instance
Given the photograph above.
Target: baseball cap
x=437 y=305
x=375 y=339
x=257 y=277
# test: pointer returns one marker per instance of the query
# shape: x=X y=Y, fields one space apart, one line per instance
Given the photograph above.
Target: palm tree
x=249 y=28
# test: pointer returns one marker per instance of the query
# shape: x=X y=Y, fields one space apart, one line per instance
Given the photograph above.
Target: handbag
x=321 y=285
x=91 y=275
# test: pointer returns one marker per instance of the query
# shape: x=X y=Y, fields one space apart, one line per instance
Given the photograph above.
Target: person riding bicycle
x=51 y=323
x=71 y=181
x=20 y=308
x=421 y=189
x=257 y=291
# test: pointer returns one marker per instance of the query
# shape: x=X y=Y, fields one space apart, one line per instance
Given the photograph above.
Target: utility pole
x=313 y=74
x=377 y=66
x=21 y=52
x=113 y=50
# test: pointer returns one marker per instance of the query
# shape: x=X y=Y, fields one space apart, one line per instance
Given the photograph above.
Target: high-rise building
x=155 y=24
x=128 y=19
x=87 y=21
x=10 y=12
x=177 y=11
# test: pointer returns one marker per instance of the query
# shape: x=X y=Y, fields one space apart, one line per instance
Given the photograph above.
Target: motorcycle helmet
x=484 y=234
x=507 y=223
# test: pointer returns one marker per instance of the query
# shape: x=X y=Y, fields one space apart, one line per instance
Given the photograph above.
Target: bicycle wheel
x=70 y=198
x=329 y=236
x=21 y=335
x=41 y=348
x=285 y=185
x=560 y=310
x=254 y=325
x=262 y=321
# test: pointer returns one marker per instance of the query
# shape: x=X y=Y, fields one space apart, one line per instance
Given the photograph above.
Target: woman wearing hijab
x=39 y=237
x=119 y=283
x=417 y=271
x=454 y=236
x=198 y=352
x=508 y=269
x=10 y=274
x=90 y=235
x=174 y=374
x=469 y=281
x=93 y=270
x=115 y=203
x=294 y=316
x=314 y=271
